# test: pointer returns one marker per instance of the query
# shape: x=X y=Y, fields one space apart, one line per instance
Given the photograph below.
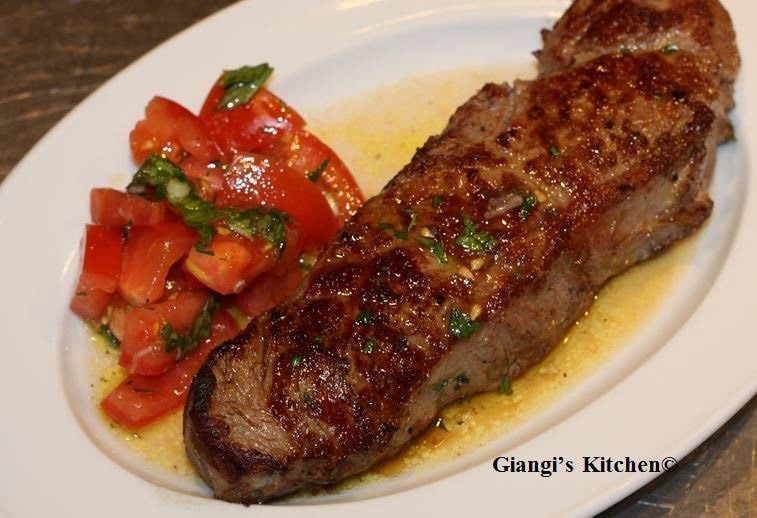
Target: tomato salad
x=225 y=214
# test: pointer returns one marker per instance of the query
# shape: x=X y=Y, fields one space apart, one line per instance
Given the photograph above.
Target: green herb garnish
x=527 y=207
x=439 y=387
x=316 y=173
x=242 y=84
x=554 y=151
x=364 y=317
x=436 y=202
x=106 y=331
x=199 y=332
x=308 y=399
x=461 y=326
x=369 y=346
x=504 y=386
x=670 y=48
x=296 y=361
x=436 y=248
x=473 y=241
x=171 y=184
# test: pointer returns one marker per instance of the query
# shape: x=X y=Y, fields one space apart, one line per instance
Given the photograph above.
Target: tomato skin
x=263 y=120
x=252 y=180
x=90 y=303
x=305 y=153
x=140 y=400
x=117 y=209
x=169 y=128
x=143 y=348
x=268 y=290
x=148 y=255
x=102 y=258
x=234 y=263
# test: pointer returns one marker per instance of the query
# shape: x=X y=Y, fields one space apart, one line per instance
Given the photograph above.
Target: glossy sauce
x=376 y=134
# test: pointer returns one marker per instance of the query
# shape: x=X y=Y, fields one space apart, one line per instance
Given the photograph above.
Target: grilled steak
x=477 y=257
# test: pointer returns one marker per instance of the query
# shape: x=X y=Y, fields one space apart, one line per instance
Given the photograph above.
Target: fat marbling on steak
x=479 y=255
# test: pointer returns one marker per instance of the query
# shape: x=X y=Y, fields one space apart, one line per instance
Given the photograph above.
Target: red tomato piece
x=257 y=180
x=306 y=153
x=208 y=178
x=234 y=262
x=143 y=347
x=267 y=291
x=140 y=400
x=90 y=303
x=102 y=258
x=169 y=128
x=117 y=209
x=263 y=120
x=148 y=255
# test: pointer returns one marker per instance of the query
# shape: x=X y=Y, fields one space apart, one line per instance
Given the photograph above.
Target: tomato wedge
x=263 y=120
x=140 y=400
x=170 y=129
x=143 y=348
x=254 y=180
x=118 y=209
x=102 y=258
x=268 y=290
x=147 y=257
x=307 y=154
x=233 y=262
x=90 y=303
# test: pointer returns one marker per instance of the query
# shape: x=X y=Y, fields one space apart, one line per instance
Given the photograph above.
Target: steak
x=474 y=261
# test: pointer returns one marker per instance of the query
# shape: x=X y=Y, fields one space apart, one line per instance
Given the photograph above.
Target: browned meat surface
x=475 y=259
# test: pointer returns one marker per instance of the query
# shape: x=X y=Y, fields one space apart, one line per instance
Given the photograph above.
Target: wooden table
x=53 y=53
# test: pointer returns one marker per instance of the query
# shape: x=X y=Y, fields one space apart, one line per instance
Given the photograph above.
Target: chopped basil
x=105 y=330
x=199 y=332
x=473 y=241
x=439 y=387
x=296 y=361
x=462 y=379
x=504 y=386
x=434 y=246
x=364 y=317
x=307 y=397
x=670 y=48
x=461 y=326
x=554 y=151
x=529 y=203
x=369 y=346
x=436 y=202
x=399 y=234
x=171 y=184
x=316 y=173
x=242 y=84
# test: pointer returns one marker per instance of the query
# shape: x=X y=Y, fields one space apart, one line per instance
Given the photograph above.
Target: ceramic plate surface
x=680 y=376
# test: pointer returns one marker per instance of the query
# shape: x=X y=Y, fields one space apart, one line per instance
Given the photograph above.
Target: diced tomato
x=117 y=209
x=268 y=290
x=234 y=261
x=179 y=280
x=256 y=180
x=143 y=348
x=169 y=128
x=116 y=316
x=140 y=400
x=90 y=303
x=102 y=258
x=306 y=153
x=263 y=120
x=208 y=178
x=148 y=255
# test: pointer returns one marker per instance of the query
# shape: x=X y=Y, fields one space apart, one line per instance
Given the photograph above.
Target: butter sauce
x=376 y=134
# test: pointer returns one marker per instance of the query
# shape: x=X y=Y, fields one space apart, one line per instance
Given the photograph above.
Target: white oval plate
x=680 y=377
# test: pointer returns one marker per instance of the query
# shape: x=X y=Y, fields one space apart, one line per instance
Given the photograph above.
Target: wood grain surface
x=53 y=53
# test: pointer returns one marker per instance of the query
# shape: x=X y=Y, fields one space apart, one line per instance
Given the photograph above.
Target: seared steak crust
x=559 y=184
